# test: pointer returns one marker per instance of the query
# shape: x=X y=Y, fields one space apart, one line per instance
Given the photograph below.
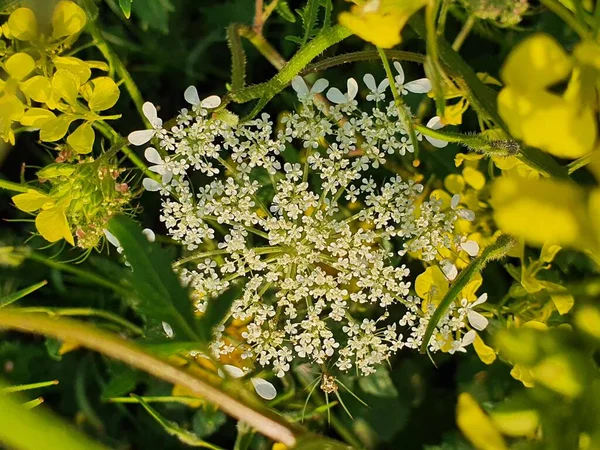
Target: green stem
x=90 y=312
x=267 y=90
x=89 y=276
x=115 y=63
x=561 y=11
x=231 y=400
x=497 y=250
x=27 y=387
x=364 y=55
x=464 y=32
x=403 y=113
x=110 y=133
x=433 y=55
x=15 y=187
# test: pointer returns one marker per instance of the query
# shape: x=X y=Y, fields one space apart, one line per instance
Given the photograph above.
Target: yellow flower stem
x=262 y=45
x=157 y=399
x=115 y=63
x=403 y=114
x=228 y=395
x=87 y=312
x=84 y=274
x=15 y=187
x=110 y=133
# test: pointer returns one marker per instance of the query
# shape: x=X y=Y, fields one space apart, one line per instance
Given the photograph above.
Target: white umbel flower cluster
x=298 y=216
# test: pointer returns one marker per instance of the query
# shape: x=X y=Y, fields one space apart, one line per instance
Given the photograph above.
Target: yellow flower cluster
x=81 y=200
x=46 y=91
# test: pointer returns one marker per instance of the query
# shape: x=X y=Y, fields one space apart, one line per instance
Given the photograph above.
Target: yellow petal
x=518 y=372
x=470 y=289
x=431 y=285
x=11 y=108
x=31 y=200
x=563 y=301
x=537 y=62
x=587 y=319
x=66 y=84
x=36 y=117
x=454 y=183
x=180 y=391
x=19 y=65
x=380 y=21
x=486 y=354
x=476 y=425
x=474 y=178
x=54 y=129
x=440 y=194
x=68 y=18
x=462 y=157
x=540 y=210
x=23 y=24
x=549 y=252
x=557 y=372
x=517 y=422
x=53 y=226
x=74 y=65
x=104 y=95
x=82 y=139
x=37 y=88
x=594 y=217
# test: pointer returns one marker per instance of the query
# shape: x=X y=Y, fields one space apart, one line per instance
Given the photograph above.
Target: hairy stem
x=497 y=250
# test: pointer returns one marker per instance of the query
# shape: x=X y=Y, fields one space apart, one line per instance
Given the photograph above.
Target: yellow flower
x=563 y=125
x=486 y=354
x=51 y=221
x=477 y=427
x=380 y=21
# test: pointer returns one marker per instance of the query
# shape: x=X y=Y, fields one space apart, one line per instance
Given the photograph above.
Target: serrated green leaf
x=161 y=296
x=126 y=7
x=122 y=382
x=153 y=14
x=11 y=298
x=284 y=11
x=309 y=15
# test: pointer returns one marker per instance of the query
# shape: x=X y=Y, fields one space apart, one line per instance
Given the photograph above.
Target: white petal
x=370 y=81
x=400 y=77
x=471 y=247
x=167 y=177
x=477 y=321
x=191 y=95
x=466 y=214
x=468 y=338
x=152 y=155
x=140 y=137
x=450 y=270
x=454 y=201
x=211 y=102
x=150 y=112
x=264 y=389
x=335 y=95
x=168 y=330
x=352 y=88
x=232 y=371
x=112 y=238
x=385 y=83
x=420 y=86
x=299 y=85
x=435 y=123
x=319 y=86
x=436 y=142
x=149 y=234
x=480 y=300
x=151 y=185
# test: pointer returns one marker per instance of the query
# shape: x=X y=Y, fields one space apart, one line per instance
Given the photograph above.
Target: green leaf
x=122 y=382
x=284 y=11
x=161 y=296
x=126 y=7
x=207 y=422
x=172 y=428
x=309 y=15
x=26 y=429
x=378 y=384
x=11 y=298
x=216 y=311
x=153 y=14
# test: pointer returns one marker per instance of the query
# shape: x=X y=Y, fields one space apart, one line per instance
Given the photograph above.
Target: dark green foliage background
x=168 y=45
